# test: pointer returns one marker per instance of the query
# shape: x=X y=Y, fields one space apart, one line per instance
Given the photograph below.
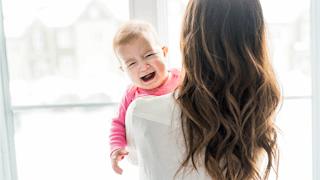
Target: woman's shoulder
x=151 y=107
x=155 y=101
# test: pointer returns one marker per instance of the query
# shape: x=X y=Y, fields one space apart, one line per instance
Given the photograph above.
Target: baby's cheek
x=161 y=66
x=131 y=76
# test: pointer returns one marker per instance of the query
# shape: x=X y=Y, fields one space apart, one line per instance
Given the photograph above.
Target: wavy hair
x=230 y=94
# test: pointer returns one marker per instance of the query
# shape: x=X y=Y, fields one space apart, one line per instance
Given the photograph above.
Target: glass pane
x=289 y=30
x=64 y=57
x=295 y=120
x=175 y=12
x=290 y=38
x=67 y=144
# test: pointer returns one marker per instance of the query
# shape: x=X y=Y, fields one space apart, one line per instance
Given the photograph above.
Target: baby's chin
x=149 y=88
x=158 y=85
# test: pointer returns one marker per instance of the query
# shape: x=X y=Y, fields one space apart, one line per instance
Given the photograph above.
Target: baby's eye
x=131 y=64
x=149 y=55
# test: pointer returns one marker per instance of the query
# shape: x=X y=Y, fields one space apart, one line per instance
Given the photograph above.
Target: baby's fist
x=116 y=157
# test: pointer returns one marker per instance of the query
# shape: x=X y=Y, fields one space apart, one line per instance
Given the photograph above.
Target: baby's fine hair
x=131 y=31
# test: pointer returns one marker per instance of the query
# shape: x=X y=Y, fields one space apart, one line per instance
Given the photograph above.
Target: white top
x=155 y=140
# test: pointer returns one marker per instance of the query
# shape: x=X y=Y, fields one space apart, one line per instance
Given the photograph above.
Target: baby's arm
x=118 y=132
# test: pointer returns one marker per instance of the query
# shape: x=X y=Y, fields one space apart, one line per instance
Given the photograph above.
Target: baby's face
x=144 y=62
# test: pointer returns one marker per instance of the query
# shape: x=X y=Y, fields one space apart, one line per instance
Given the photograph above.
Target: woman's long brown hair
x=230 y=94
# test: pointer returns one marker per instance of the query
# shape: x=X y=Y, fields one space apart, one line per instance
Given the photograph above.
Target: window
x=65 y=83
x=66 y=63
x=175 y=13
x=304 y=32
x=70 y=47
x=64 y=38
x=275 y=31
x=61 y=65
x=37 y=40
x=13 y=48
x=95 y=37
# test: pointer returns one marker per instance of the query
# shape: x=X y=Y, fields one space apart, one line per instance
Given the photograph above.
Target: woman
x=222 y=116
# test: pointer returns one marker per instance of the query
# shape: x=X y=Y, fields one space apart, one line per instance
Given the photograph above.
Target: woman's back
x=155 y=140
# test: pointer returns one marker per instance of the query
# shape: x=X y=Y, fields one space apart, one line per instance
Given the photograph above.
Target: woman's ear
x=121 y=68
x=165 y=51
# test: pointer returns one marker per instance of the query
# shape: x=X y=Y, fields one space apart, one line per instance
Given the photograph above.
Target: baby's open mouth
x=148 y=76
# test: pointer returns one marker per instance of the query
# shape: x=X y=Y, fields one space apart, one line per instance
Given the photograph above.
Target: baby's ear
x=165 y=51
x=121 y=68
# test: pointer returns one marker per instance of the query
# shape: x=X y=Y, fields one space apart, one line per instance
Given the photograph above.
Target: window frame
x=8 y=166
x=158 y=18
x=315 y=55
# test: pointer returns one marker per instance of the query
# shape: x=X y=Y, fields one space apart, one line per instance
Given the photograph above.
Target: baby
x=142 y=57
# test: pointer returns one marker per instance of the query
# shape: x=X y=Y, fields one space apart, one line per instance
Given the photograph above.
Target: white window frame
x=155 y=12
x=8 y=167
x=315 y=47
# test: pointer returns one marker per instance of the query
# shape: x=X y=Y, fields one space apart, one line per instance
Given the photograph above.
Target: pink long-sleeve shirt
x=118 y=132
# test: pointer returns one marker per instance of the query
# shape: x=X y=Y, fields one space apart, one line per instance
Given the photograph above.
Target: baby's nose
x=145 y=67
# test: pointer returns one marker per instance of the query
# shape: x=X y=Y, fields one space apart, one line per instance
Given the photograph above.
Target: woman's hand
x=115 y=158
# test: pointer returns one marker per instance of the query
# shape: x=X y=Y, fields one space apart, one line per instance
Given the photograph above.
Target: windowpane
x=176 y=9
x=290 y=40
x=62 y=49
x=295 y=120
x=67 y=144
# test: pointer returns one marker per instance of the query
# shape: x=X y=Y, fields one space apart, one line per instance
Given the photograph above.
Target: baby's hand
x=115 y=158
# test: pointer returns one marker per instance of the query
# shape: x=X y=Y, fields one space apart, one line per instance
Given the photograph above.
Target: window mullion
x=296 y=97
x=131 y=9
x=91 y=105
x=8 y=167
x=315 y=46
x=18 y=108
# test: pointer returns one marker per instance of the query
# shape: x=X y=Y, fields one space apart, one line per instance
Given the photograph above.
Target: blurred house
x=71 y=42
